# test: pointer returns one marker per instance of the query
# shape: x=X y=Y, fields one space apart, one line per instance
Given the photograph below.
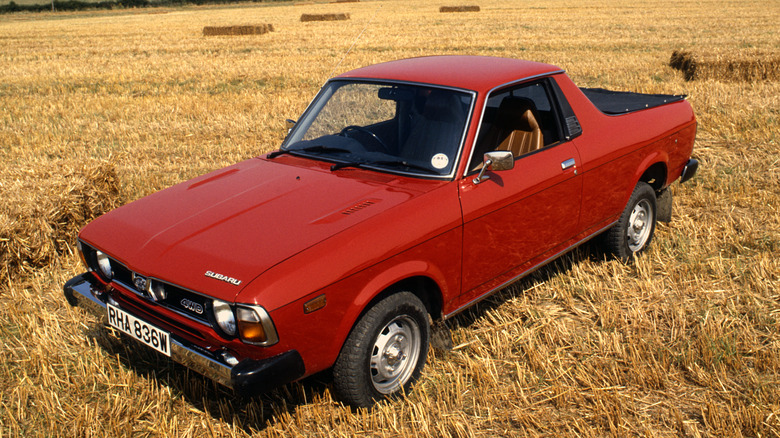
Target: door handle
x=568 y=163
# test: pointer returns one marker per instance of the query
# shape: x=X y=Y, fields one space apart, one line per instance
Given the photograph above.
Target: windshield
x=401 y=128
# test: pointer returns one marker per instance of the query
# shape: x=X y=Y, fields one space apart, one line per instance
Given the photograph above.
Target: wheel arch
x=655 y=175
x=425 y=287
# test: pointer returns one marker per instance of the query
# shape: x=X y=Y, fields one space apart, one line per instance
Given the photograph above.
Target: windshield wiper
x=316 y=149
x=393 y=163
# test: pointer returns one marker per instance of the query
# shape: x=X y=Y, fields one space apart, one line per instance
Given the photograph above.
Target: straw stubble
x=103 y=108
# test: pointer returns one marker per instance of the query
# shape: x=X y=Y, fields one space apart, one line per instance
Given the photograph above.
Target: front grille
x=122 y=275
x=187 y=303
x=182 y=301
x=166 y=323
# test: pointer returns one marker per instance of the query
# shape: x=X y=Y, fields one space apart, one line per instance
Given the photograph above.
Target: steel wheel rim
x=395 y=354
x=640 y=225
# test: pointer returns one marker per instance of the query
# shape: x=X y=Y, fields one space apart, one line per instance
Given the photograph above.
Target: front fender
x=437 y=260
x=397 y=274
x=320 y=335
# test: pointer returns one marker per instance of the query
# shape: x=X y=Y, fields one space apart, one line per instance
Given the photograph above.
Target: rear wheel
x=385 y=352
x=634 y=230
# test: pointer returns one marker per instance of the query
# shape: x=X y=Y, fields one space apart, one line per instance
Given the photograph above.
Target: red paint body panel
x=290 y=229
x=502 y=233
x=614 y=151
x=477 y=73
x=239 y=221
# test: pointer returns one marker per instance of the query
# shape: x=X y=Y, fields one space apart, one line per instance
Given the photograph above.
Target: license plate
x=139 y=329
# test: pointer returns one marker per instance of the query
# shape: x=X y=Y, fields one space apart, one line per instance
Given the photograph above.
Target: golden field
x=100 y=108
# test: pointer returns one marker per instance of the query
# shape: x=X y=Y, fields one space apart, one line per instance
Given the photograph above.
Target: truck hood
x=216 y=233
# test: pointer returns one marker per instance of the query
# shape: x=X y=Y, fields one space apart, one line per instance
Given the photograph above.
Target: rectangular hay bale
x=324 y=17
x=473 y=8
x=737 y=66
x=257 y=29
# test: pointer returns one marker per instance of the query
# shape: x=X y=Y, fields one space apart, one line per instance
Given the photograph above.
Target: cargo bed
x=622 y=102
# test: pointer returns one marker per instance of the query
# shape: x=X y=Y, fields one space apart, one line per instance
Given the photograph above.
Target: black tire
x=385 y=351
x=634 y=230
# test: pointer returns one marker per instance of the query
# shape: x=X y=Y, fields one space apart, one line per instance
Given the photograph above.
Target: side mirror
x=495 y=161
x=289 y=124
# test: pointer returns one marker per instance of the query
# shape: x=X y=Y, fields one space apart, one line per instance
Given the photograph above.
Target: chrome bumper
x=249 y=377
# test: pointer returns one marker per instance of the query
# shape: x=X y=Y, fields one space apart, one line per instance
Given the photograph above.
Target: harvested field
x=102 y=108
x=324 y=17
x=459 y=9
x=238 y=30
x=740 y=66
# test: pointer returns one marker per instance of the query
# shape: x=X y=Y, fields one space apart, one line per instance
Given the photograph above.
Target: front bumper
x=248 y=377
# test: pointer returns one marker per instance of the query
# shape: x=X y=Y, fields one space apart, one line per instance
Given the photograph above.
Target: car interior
x=521 y=120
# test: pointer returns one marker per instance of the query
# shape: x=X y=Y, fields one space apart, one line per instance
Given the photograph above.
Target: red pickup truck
x=405 y=193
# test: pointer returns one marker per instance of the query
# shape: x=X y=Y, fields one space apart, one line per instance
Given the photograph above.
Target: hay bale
x=683 y=61
x=459 y=9
x=257 y=29
x=324 y=17
x=44 y=207
x=345 y=1
x=740 y=66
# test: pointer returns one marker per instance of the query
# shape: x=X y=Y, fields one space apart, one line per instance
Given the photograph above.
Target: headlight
x=157 y=290
x=255 y=326
x=224 y=317
x=104 y=265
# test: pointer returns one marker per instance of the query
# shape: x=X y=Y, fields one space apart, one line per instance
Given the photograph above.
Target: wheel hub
x=395 y=354
x=639 y=222
x=639 y=226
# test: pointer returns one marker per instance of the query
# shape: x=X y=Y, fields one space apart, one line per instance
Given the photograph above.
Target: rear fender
x=653 y=158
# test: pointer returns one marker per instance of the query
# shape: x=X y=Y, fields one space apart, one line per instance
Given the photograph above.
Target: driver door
x=521 y=217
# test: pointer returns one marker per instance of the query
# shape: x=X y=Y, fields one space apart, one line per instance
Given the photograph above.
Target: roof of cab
x=478 y=73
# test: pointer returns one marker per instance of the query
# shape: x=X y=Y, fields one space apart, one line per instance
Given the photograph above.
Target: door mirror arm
x=495 y=161
x=289 y=124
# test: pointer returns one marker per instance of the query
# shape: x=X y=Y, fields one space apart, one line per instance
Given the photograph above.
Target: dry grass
x=685 y=342
x=325 y=17
x=45 y=205
x=238 y=30
x=459 y=9
x=742 y=66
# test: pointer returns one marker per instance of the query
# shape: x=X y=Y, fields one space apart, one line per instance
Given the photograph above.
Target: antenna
x=354 y=42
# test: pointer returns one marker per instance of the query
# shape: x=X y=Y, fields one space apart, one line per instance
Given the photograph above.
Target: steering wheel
x=347 y=129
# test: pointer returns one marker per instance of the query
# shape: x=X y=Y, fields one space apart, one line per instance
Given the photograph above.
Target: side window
x=521 y=119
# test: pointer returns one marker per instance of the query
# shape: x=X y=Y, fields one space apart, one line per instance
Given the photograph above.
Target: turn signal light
x=255 y=326
x=315 y=304
x=252 y=331
x=81 y=254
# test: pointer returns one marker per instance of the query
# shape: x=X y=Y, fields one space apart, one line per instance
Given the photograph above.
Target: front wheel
x=385 y=352
x=634 y=230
